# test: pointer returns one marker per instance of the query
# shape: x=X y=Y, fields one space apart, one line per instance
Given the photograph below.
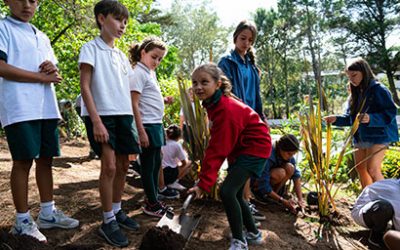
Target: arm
x=299 y=193
x=385 y=106
x=12 y=73
x=99 y=131
x=144 y=139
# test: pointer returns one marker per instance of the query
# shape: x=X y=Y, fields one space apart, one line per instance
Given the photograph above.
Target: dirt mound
x=157 y=238
x=21 y=242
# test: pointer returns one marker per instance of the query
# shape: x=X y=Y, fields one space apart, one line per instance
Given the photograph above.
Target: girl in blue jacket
x=372 y=104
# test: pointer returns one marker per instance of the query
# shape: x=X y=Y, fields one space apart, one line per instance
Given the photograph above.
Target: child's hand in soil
x=197 y=191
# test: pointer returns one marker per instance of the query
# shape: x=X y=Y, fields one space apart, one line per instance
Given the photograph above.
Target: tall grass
x=317 y=145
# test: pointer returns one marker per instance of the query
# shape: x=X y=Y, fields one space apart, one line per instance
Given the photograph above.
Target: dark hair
x=359 y=64
x=217 y=75
x=173 y=132
x=147 y=45
x=113 y=7
x=243 y=25
x=288 y=143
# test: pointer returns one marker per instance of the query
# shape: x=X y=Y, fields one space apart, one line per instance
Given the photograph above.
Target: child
x=237 y=133
x=148 y=109
x=105 y=77
x=173 y=154
x=29 y=116
x=377 y=116
x=241 y=69
x=378 y=204
x=280 y=167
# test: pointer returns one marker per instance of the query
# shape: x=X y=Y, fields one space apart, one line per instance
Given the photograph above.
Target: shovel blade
x=180 y=224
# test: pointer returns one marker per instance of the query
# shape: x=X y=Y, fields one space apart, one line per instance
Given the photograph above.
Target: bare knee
x=392 y=239
x=289 y=169
x=22 y=165
x=278 y=175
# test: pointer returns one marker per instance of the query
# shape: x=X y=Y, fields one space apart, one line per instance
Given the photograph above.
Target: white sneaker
x=57 y=219
x=238 y=245
x=28 y=227
x=176 y=186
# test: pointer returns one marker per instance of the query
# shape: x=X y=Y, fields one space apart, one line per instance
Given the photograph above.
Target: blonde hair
x=217 y=75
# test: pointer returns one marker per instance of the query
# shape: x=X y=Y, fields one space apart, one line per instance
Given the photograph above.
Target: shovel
x=183 y=223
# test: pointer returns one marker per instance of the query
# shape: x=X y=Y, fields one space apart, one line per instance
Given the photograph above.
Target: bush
x=391 y=163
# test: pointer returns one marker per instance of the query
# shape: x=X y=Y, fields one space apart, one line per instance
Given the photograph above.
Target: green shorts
x=251 y=163
x=33 y=139
x=156 y=135
x=122 y=133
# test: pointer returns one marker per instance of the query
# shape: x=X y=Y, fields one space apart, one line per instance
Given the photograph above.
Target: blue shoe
x=254 y=239
x=126 y=222
x=113 y=234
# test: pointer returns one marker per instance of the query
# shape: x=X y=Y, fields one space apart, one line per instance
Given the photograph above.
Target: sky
x=231 y=12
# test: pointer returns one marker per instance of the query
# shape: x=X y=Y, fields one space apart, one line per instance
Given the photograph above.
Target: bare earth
x=76 y=193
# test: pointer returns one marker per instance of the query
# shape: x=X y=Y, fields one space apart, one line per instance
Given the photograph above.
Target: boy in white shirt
x=105 y=78
x=29 y=115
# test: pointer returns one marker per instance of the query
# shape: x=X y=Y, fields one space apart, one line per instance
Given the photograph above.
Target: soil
x=76 y=194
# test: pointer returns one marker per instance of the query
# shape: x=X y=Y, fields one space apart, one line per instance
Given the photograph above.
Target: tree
x=197 y=33
x=369 y=23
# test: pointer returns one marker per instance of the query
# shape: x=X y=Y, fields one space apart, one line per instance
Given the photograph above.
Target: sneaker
x=57 y=219
x=256 y=215
x=28 y=227
x=376 y=238
x=168 y=194
x=254 y=239
x=113 y=234
x=176 y=185
x=238 y=245
x=126 y=222
x=157 y=209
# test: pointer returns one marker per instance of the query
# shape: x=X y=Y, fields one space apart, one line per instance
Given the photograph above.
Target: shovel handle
x=187 y=201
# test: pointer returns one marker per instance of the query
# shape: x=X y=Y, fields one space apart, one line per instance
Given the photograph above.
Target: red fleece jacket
x=236 y=129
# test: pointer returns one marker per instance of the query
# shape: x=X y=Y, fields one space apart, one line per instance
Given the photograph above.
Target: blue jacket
x=274 y=161
x=382 y=127
x=230 y=66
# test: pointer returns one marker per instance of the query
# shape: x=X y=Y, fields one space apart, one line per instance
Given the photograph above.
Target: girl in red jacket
x=237 y=133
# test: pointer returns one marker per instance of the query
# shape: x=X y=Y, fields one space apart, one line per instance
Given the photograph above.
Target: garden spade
x=182 y=223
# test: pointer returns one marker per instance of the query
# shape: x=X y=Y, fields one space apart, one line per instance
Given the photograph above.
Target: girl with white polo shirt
x=148 y=109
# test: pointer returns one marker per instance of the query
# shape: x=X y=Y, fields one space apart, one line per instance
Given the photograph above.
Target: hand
x=168 y=99
x=197 y=191
x=330 y=118
x=363 y=118
x=50 y=78
x=289 y=204
x=47 y=67
x=144 y=139
x=100 y=133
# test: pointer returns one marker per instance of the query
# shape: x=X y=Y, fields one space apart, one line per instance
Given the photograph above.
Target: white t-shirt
x=151 y=102
x=111 y=78
x=26 y=48
x=388 y=189
x=172 y=154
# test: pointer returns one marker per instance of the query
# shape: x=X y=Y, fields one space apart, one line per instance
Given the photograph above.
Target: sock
x=116 y=207
x=47 y=208
x=162 y=189
x=108 y=216
x=21 y=217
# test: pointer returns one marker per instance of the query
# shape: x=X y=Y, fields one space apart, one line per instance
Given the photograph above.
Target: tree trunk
x=392 y=87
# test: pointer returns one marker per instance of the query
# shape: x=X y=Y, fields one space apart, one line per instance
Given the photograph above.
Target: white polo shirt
x=172 y=153
x=26 y=48
x=112 y=73
x=151 y=102
x=387 y=189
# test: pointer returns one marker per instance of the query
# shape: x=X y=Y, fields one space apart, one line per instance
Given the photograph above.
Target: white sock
x=116 y=207
x=47 y=208
x=108 y=216
x=21 y=217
